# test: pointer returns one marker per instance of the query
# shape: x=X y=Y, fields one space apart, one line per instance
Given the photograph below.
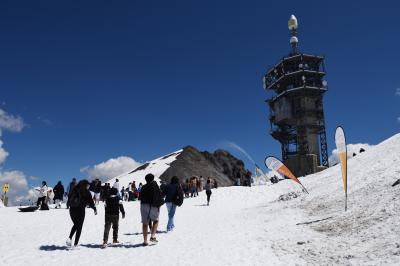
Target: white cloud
x=19 y=189
x=351 y=149
x=111 y=168
x=397 y=93
x=10 y=122
x=3 y=153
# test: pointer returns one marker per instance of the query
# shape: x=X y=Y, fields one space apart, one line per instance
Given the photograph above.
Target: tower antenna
x=293 y=25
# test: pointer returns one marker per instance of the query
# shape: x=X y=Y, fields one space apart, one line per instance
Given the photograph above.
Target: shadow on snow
x=52 y=248
x=137 y=234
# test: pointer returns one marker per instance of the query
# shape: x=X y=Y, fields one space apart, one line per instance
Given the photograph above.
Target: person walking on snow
x=173 y=197
x=113 y=205
x=208 y=191
x=150 y=203
x=58 y=194
x=80 y=198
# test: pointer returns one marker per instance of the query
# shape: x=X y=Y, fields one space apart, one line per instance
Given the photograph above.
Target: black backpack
x=178 y=199
x=158 y=199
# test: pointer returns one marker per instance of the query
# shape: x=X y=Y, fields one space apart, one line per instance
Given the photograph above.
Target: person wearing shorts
x=148 y=212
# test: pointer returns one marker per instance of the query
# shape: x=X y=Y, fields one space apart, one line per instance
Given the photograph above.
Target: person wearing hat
x=113 y=205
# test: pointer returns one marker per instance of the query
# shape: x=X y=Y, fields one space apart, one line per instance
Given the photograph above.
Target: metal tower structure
x=296 y=110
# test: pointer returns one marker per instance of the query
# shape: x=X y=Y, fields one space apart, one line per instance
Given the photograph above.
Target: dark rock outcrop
x=220 y=165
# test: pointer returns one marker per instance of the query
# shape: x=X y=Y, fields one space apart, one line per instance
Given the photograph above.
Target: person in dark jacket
x=208 y=191
x=113 y=206
x=58 y=194
x=80 y=198
x=149 y=195
x=171 y=191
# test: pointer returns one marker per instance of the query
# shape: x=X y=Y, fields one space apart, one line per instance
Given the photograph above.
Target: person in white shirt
x=42 y=195
x=116 y=186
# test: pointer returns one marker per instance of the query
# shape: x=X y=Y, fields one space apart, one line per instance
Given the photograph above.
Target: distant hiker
x=197 y=185
x=58 y=194
x=150 y=204
x=238 y=183
x=248 y=178
x=71 y=186
x=134 y=190
x=186 y=188
x=173 y=197
x=139 y=190
x=215 y=183
x=122 y=193
x=208 y=191
x=42 y=199
x=201 y=183
x=97 y=190
x=193 y=187
x=80 y=198
x=128 y=194
x=113 y=205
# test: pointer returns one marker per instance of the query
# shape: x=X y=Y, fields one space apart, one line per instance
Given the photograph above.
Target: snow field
x=263 y=225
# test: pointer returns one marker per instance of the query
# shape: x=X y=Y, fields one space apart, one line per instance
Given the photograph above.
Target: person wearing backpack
x=113 y=205
x=79 y=199
x=150 y=202
x=173 y=197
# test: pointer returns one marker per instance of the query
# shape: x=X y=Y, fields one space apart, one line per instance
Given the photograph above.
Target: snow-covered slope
x=263 y=225
x=156 y=167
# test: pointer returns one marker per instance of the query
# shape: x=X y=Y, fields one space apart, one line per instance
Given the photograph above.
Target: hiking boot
x=115 y=242
x=145 y=244
x=153 y=239
x=104 y=245
x=68 y=242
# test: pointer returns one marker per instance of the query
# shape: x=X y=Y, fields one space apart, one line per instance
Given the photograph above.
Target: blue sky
x=100 y=79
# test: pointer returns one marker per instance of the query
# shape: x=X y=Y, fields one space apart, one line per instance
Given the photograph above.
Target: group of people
x=131 y=192
x=244 y=180
x=194 y=185
x=151 y=197
x=85 y=194
x=46 y=195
